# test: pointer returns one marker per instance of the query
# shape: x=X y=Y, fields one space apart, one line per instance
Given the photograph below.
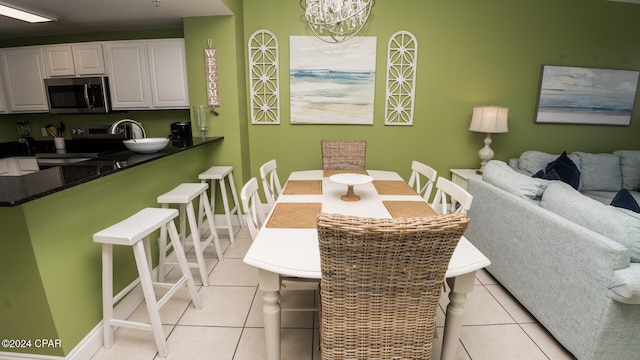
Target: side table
x=462 y=176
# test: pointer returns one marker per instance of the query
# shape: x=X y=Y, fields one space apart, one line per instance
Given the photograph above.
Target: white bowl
x=146 y=145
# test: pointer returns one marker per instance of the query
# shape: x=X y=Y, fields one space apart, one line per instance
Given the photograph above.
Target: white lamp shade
x=489 y=119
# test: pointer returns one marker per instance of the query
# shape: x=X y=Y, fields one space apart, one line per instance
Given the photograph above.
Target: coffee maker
x=181 y=134
x=27 y=143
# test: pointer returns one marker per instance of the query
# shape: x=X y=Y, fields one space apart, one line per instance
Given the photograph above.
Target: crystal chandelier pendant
x=336 y=21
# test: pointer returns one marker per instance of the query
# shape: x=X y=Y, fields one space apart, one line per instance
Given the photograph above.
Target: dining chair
x=343 y=154
x=460 y=198
x=270 y=181
x=381 y=283
x=420 y=172
x=252 y=207
x=255 y=219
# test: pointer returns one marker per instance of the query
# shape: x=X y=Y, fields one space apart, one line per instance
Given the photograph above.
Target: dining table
x=287 y=242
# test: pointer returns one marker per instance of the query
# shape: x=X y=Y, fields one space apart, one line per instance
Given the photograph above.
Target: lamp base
x=485 y=154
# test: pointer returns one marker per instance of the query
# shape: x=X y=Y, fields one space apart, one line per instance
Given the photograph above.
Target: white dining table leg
x=269 y=283
x=460 y=286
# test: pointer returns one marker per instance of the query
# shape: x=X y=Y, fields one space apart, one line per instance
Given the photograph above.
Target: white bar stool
x=219 y=173
x=183 y=195
x=134 y=231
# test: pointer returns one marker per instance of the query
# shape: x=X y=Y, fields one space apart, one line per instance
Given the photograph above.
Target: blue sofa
x=566 y=257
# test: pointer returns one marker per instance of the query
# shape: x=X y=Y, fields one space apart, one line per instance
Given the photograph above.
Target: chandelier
x=335 y=21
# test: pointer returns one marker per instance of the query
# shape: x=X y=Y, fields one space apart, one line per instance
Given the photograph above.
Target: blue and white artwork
x=578 y=95
x=332 y=83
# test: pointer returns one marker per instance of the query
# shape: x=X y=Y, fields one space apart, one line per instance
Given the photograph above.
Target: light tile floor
x=229 y=327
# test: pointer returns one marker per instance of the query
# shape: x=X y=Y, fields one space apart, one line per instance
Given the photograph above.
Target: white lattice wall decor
x=264 y=77
x=402 y=61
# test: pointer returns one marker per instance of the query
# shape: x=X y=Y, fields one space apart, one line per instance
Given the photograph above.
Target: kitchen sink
x=61 y=161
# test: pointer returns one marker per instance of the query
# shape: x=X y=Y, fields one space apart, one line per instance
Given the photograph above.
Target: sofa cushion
x=630 y=167
x=625 y=200
x=600 y=172
x=606 y=220
x=501 y=175
x=533 y=161
x=566 y=170
x=625 y=285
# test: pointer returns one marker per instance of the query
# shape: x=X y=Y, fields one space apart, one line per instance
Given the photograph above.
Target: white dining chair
x=270 y=182
x=255 y=220
x=460 y=199
x=422 y=178
x=252 y=207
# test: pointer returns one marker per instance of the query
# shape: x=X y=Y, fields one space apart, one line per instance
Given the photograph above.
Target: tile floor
x=229 y=327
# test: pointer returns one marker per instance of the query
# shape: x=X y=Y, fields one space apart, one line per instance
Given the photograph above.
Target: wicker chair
x=381 y=283
x=343 y=154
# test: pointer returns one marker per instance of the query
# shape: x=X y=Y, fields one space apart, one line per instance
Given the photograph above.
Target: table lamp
x=488 y=120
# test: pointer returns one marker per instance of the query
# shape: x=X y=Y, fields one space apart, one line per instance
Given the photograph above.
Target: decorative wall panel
x=264 y=78
x=402 y=60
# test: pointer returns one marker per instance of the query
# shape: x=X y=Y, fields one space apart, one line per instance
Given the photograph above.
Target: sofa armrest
x=625 y=285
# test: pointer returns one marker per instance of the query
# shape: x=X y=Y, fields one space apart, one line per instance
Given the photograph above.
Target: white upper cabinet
x=88 y=59
x=23 y=74
x=58 y=60
x=168 y=73
x=126 y=65
x=82 y=59
x=150 y=74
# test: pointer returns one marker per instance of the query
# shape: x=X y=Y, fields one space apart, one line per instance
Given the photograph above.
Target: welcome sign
x=211 y=70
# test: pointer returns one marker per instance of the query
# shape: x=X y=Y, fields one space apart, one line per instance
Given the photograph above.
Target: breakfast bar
x=51 y=269
x=58 y=172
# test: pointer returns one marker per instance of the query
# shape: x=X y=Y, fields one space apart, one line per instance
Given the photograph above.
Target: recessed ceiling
x=80 y=16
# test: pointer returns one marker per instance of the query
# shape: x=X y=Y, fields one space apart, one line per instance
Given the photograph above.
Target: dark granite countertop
x=16 y=190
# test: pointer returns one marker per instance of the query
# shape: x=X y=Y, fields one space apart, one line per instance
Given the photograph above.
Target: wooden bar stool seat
x=134 y=231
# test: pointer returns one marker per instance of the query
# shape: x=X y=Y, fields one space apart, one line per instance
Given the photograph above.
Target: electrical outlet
x=44 y=131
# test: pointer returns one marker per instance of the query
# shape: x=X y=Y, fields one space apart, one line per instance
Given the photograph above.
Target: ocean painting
x=332 y=83
x=578 y=95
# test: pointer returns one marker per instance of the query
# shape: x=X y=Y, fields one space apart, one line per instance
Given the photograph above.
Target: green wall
x=471 y=53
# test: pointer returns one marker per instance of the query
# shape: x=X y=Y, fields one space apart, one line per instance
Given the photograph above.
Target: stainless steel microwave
x=84 y=95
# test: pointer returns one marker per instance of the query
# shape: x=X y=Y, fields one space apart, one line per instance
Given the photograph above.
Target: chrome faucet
x=128 y=128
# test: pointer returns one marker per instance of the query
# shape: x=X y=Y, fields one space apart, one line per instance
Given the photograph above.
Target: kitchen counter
x=16 y=190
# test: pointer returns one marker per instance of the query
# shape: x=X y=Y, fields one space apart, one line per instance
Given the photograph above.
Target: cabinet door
x=58 y=60
x=126 y=65
x=168 y=73
x=23 y=76
x=88 y=59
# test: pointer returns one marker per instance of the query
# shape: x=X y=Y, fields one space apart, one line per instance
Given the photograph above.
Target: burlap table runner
x=327 y=173
x=295 y=215
x=409 y=209
x=303 y=187
x=393 y=187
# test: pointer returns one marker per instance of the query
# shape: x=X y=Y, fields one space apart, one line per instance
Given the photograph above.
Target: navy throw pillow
x=563 y=169
x=624 y=199
x=566 y=170
x=551 y=175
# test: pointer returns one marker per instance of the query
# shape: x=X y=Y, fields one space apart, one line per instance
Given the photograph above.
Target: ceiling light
x=23 y=15
x=336 y=20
